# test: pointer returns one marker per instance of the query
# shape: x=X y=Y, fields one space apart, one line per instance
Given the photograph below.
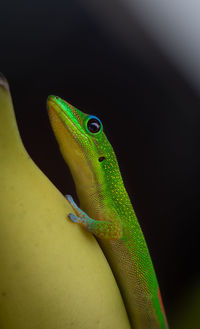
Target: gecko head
x=82 y=142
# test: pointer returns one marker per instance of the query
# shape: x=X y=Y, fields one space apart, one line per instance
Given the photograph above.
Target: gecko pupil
x=94 y=125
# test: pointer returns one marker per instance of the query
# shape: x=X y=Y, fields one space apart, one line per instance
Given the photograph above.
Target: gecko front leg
x=103 y=229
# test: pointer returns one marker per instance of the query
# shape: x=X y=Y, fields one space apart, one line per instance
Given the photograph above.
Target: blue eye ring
x=93 y=125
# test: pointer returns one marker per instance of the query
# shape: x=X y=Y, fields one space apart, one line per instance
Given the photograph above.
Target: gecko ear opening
x=101 y=159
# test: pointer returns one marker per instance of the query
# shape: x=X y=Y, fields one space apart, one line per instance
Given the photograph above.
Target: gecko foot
x=101 y=228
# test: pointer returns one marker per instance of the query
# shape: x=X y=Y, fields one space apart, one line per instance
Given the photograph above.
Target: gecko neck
x=106 y=196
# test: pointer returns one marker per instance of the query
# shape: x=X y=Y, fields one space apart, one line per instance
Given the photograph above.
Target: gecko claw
x=73 y=218
x=68 y=197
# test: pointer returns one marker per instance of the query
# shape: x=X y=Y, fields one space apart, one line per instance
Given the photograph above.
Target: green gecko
x=106 y=211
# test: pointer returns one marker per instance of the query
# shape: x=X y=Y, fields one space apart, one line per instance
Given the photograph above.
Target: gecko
x=106 y=210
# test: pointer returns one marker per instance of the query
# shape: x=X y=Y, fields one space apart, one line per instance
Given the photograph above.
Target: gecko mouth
x=71 y=124
x=67 y=119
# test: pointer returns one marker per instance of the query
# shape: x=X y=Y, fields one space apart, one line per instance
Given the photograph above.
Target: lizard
x=106 y=210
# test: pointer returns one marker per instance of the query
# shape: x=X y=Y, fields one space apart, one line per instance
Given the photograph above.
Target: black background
x=149 y=111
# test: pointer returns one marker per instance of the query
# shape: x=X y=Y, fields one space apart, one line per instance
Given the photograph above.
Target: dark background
x=149 y=111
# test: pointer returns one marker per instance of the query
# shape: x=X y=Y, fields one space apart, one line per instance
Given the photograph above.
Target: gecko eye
x=94 y=125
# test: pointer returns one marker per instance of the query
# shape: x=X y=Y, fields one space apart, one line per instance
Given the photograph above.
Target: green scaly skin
x=109 y=212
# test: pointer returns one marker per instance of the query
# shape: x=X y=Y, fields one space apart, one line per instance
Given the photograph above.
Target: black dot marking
x=101 y=159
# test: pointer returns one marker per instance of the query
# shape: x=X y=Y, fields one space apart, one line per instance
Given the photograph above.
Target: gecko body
x=106 y=211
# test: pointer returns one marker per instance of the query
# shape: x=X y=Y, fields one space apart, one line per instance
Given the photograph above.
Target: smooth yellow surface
x=53 y=274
